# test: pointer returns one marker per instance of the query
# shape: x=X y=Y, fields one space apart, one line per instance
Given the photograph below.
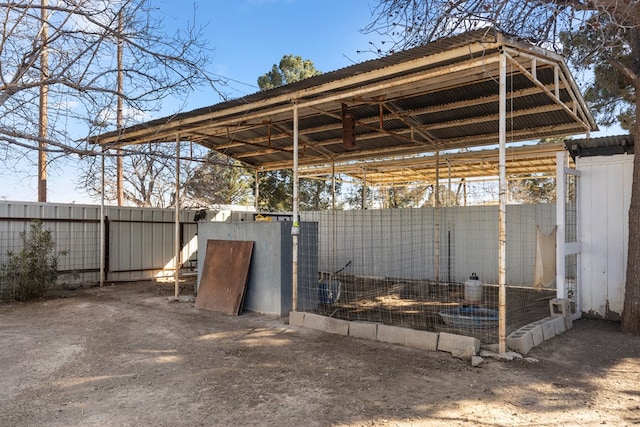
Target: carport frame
x=410 y=86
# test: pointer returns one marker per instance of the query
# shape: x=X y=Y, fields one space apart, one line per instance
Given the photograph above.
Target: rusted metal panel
x=224 y=276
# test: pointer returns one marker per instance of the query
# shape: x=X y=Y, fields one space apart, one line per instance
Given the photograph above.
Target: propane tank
x=473 y=290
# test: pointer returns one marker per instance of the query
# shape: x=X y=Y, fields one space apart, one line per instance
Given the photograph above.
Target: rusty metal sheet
x=224 y=276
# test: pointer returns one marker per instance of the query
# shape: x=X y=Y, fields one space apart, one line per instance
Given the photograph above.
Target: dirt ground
x=125 y=355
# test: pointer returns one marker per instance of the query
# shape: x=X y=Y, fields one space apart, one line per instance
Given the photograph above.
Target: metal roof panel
x=439 y=96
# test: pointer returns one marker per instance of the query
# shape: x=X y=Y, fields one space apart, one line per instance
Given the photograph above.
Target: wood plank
x=224 y=276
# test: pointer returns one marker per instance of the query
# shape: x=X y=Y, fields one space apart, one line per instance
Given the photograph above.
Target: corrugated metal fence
x=138 y=241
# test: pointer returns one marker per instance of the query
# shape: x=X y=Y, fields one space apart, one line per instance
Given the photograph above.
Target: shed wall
x=604 y=199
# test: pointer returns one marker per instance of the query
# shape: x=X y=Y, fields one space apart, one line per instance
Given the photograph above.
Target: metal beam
x=177 y=248
x=295 y=229
x=502 y=206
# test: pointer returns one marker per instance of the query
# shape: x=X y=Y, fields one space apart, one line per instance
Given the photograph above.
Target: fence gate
x=568 y=245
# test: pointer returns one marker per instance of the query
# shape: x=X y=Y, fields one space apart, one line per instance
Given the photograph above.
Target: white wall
x=604 y=198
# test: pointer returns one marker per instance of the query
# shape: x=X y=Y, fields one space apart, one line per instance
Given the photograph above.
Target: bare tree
x=81 y=76
x=150 y=177
x=603 y=35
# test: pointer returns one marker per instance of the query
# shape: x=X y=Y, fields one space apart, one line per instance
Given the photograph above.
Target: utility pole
x=43 y=110
x=119 y=172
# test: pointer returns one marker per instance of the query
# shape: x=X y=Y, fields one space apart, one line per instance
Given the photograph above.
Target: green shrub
x=29 y=273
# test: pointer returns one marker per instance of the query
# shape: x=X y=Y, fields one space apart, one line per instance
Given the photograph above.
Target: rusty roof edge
x=297 y=90
x=514 y=42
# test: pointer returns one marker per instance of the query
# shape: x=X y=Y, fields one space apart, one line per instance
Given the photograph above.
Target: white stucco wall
x=604 y=198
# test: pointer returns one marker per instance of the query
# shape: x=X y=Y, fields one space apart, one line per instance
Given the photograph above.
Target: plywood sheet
x=224 y=276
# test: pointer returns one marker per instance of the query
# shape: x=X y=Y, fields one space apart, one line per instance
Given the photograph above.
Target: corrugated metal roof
x=420 y=169
x=602 y=146
x=440 y=96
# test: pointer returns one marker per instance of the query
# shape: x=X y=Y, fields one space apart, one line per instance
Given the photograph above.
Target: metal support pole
x=436 y=221
x=102 y=236
x=295 y=229
x=560 y=224
x=436 y=188
x=257 y=190
x=449 y=199
x=119 y=112
x=176 y=274
x=502 y=218
x=333 y=218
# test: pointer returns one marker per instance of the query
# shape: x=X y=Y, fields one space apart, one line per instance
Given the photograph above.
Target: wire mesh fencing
x=432 y=269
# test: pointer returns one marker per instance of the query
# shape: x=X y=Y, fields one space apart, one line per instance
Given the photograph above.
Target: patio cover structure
x=423 y=169
x=436 y=97
x=479 y=88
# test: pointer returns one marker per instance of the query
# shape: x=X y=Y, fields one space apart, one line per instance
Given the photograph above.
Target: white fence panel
x=605 y=196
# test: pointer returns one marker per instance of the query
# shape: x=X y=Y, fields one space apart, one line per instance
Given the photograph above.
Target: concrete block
x=365 y=330
x=536 y=332
x=548 y=328
x=296 y=318
x=559 y=325
x=520 y=340
x=391 y=334
x=337 y=326
x=422 y=339
x=315 y=321
x=458 y=345
x=561 y=307
x=537 y=335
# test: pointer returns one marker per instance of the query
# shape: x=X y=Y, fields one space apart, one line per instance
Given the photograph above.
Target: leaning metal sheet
x=224 y=276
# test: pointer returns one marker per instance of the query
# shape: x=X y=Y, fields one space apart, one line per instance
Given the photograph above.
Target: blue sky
x=246 y=37
x=249 y=36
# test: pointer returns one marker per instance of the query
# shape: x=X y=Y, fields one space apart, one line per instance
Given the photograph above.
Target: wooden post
x=43 y=108
x=119 y=172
